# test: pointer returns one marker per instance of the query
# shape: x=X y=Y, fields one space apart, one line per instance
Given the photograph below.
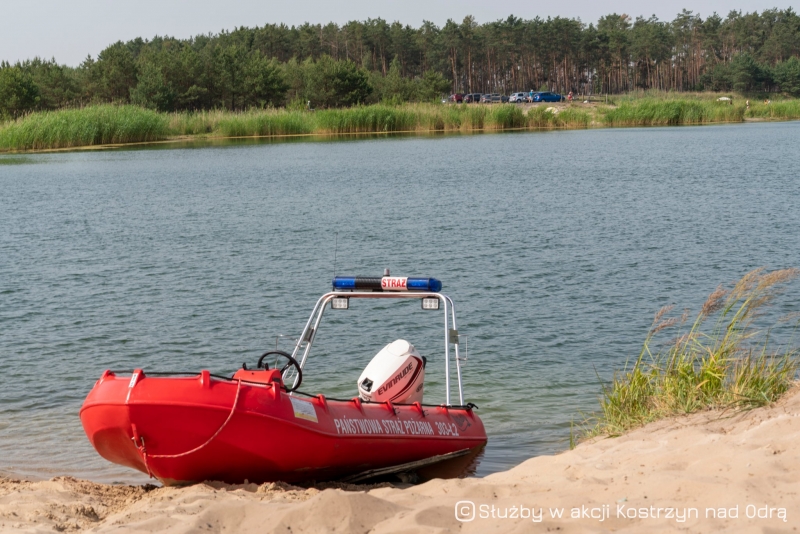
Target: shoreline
x=711 y=470
x=202 y=139
x=109 y=126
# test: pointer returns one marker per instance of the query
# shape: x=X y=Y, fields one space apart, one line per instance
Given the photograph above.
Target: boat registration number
x=447 y=429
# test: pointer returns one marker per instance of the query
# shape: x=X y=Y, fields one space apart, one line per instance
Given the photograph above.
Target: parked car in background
x=486 y=99
x=456 y=97
x=518 y=98
x=494 y=98
x=547 y=97
x=472 y=98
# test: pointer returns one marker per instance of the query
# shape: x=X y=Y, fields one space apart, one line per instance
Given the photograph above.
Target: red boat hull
x=190 y=429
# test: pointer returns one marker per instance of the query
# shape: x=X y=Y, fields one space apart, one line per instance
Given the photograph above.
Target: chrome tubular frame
x=306 y=339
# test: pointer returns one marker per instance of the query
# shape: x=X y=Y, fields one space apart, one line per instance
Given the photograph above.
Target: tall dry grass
x=720 y=360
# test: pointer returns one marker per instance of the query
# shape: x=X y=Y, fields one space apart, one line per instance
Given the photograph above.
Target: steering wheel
x=292 y=363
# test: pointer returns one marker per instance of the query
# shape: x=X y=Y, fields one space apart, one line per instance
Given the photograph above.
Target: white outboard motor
x=395 y=374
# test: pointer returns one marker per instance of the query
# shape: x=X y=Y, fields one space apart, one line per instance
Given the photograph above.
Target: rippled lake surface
x=557 y=248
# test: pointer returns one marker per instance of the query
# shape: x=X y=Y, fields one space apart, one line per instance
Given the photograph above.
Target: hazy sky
x=70 y=29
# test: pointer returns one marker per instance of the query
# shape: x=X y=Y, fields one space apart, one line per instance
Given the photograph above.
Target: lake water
x=557 y=248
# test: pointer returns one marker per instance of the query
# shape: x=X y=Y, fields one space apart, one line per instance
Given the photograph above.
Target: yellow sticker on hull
x=304 y=410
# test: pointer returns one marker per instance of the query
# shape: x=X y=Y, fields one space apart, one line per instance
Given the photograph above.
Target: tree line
x=376 y=61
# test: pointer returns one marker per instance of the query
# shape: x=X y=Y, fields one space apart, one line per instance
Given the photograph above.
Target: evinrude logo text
x=386 y=387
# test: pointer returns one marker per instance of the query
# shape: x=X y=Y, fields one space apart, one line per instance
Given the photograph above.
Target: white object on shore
x=723 y=99
x=552 y=110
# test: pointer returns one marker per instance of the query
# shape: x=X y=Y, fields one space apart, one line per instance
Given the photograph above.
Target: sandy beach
x=709 y=472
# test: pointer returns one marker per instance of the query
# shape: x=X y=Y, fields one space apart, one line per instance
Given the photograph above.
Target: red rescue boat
x=257 y=426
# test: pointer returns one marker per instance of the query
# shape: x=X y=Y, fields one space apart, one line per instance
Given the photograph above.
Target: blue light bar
x=344 y=282
x=372 y=283
x=424 y=284
x=386 y=283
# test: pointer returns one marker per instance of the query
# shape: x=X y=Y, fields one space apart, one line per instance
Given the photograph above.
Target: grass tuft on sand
x=720 y=361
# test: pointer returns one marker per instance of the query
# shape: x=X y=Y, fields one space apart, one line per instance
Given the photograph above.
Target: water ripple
x=557 y=248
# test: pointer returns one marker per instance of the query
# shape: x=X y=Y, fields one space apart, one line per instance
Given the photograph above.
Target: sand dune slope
x=709 y=472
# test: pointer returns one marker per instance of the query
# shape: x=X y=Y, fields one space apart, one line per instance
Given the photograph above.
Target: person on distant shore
x=747 y=103
x=569 y=97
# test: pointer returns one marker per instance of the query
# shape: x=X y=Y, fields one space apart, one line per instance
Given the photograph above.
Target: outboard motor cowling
x=396 y=374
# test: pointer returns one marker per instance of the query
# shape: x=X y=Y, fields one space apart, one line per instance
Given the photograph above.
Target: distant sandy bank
x=692 y=472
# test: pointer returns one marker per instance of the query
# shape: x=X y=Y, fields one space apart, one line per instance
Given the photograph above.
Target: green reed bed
x=110 y=124
x=660 y=96
x=781 y=109
x=264 y=123
x=721 y=360
x=570 y=117
x=505 y=117
x=420 y=118
x=470 y=117
x=249 y=123
x=450 y=118
x=657 y=112
x=364 y=119
x=195 y=122
x=447 y=118
x=94 y=125
x=431 y=120
x=474 y=117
